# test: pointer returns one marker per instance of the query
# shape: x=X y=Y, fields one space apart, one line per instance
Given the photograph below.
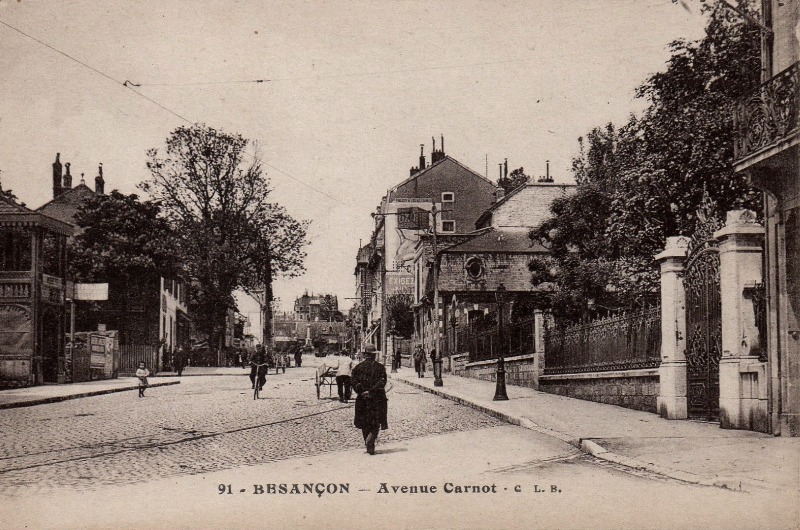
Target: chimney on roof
x=67 y=177
x=547 y=177
x=505 y=168
x=57 y=176
x=499 y=193
x=421 y=157
x=437 y=155
x=499 y=172
x=99 y=183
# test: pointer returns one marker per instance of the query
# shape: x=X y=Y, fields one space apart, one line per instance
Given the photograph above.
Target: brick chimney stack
x=57 y=176
x=421 y=157
x=99 y=183
x=67 y=178
x=437 y=155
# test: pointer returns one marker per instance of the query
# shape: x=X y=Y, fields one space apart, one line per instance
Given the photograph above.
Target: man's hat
x=370 y=349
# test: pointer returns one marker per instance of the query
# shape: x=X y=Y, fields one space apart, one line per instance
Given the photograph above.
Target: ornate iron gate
x=703 y=329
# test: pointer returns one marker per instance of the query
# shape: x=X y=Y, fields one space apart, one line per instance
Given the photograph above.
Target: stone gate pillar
x=672 y=398
x=742 y=377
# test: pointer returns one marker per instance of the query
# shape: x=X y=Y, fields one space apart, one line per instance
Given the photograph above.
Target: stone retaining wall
x=521 y=370
x=632 y=389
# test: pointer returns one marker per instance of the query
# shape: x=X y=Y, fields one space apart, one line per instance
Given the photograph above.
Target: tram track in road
x=153 y=445
x=111 y=447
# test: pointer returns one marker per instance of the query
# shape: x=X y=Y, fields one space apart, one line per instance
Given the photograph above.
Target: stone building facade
x=445 y=196
x=767 y=150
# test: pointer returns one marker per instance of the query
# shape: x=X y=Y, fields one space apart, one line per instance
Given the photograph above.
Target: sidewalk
x=39 y=395
x=207 y=370
x=694 y=452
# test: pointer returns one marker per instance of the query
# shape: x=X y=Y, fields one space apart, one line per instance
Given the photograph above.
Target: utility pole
x=437 y=361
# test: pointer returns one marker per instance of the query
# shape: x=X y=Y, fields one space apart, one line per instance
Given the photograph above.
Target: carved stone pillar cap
x=740 y=217
x=739 y=222
x=676 y=247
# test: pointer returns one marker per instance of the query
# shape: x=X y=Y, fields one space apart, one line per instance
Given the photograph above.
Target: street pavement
x=691 y=451
x=170 y=460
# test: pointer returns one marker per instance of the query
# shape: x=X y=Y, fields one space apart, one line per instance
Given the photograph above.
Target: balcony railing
x=769 y=115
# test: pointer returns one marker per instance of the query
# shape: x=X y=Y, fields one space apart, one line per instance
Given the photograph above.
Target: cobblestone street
x=204 y=424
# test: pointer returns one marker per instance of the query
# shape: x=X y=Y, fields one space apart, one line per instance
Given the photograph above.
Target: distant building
x=318 y=307
x=294 y=331
x=472 y=266
x=445 y=193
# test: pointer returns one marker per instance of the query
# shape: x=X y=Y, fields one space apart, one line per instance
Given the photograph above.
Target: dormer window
x=448 y=196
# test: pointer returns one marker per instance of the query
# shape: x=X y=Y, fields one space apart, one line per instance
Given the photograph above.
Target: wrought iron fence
x=768 y=115
x=482 y=339
x=618 y=342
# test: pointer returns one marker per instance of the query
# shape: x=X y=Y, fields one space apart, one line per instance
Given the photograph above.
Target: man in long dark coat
x=369 y=382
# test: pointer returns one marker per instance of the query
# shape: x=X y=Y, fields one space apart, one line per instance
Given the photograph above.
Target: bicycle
x=257 y=385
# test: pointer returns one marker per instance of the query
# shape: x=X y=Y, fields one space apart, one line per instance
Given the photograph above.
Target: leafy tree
x=122 y=237
x=644 y=181
x=231 y=234
x=401 y=316
x=514 y=180
x=126 y=242
x=9 y=194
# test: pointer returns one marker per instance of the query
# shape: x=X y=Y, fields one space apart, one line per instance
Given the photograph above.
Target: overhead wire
x=130 y=86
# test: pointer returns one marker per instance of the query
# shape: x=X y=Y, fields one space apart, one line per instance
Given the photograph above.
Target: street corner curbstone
x=58 y=399
x=592 y=448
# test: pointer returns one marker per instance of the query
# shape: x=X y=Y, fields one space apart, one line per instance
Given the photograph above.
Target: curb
x=56 y=399
x=173 y=374
x=587 y=446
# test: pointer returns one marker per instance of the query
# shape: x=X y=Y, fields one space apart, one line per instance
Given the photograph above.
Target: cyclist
x=258 y=366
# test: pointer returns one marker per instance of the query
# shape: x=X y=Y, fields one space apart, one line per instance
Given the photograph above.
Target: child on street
x=142 y=373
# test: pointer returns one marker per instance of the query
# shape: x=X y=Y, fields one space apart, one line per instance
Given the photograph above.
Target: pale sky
x=354 y=88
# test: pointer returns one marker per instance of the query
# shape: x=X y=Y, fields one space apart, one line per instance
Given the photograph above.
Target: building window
x=475 y=268
x=448 y=196
x=448 y=226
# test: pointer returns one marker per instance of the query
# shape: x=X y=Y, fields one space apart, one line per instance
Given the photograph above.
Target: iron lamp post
x=501 y=295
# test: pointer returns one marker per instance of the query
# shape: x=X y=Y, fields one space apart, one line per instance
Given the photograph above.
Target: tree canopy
x=514 y=180
x=231 y=234
x=122 y=237
x=644 y=181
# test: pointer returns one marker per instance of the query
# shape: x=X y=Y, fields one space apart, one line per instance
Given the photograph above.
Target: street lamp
x=501 y=295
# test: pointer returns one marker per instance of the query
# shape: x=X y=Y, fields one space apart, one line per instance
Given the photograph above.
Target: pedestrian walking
x=298 y=358
x=433 y=360
x=369 y=381
x=142 y=373
x=180 y=360
x=343 y=371
x=419 y=361
x=397 y=359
